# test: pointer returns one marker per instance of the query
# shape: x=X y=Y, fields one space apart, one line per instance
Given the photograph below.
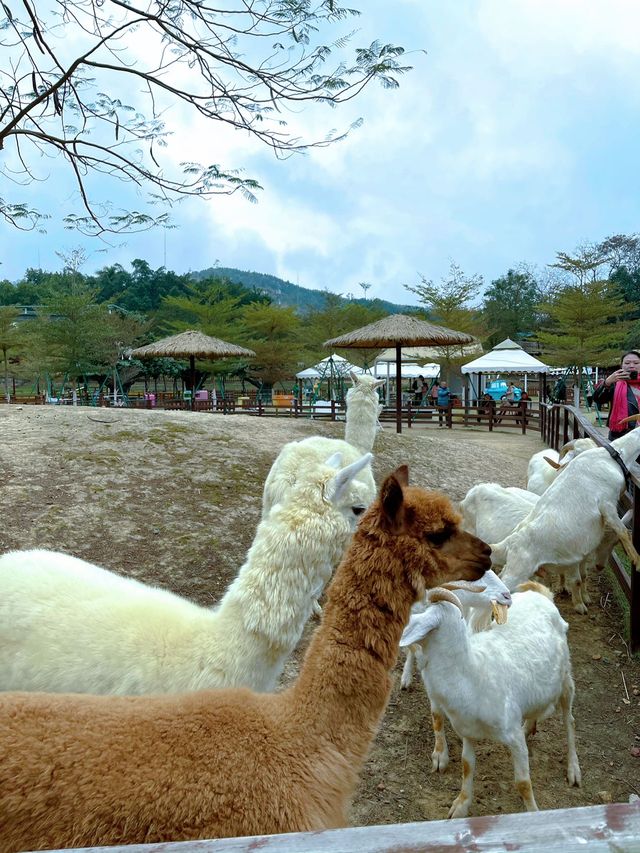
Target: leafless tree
x=91 y=81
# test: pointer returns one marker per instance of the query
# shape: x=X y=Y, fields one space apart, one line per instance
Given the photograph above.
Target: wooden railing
x=560 y=424
x=598 y=829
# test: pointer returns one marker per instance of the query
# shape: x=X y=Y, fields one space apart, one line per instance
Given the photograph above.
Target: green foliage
x=449 y=304
x=585 y=325
x=10 y=340
x=336 y=318
x=273 y=333
x=509 y=307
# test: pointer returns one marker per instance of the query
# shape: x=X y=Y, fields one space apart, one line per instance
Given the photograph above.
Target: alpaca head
x=364 y=385
x=423 y=530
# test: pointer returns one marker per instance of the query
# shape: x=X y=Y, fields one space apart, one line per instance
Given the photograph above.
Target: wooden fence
x=559 y=424
x=598 y=829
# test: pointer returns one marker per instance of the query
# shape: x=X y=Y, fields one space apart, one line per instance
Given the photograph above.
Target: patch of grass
x=92 y=457
x=121 y=435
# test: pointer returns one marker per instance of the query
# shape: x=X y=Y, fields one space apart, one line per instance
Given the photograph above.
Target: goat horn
x=628 y=420
x=552 y=462
x=468 y=585
x=441 y=594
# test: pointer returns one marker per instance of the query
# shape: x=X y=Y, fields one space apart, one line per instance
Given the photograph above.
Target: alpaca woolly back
x=363 y=409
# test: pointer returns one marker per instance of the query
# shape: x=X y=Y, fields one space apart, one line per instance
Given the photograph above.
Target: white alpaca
x=69 y=626
x=298 y=457
x=363 y=409
x=497 y=684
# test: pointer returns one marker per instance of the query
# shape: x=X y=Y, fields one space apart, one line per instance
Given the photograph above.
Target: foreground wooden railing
x=596 y=829
x=560 y=424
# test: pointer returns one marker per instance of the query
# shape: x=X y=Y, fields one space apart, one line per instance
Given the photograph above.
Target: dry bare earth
x=174 y=499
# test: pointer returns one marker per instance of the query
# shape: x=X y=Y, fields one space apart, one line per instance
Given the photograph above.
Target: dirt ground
x=173 y=498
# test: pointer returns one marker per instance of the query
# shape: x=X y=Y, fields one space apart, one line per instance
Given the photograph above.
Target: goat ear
x=335 y=487
x=419 y=625
x=392 y=501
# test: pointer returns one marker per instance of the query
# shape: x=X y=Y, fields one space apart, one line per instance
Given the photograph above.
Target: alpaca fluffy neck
x=362 y=421
x=345 y=680
x=265 y=609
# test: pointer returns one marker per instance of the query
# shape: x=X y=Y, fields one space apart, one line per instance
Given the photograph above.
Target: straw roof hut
x=398 y=331
x=191 y=344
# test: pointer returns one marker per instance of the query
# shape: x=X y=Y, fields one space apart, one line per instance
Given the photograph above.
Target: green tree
x=9 y=340
x=450 y=304
x=335 y=318
x=68 y=64
x=273 y=332
x=585 y=325
x=509 y=306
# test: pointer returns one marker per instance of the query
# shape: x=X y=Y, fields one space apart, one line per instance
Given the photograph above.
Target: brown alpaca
x=79 y=770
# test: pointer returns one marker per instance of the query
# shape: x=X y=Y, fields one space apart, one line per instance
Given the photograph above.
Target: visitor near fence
x=443 y=401
x=622 y=390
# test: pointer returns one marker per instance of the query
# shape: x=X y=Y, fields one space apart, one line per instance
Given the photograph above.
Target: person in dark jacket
x=622 y=390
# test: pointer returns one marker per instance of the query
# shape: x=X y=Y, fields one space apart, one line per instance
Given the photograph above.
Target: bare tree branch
x=242 y=65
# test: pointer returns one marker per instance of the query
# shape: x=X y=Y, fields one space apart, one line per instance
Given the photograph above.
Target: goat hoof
x=459 y=808
x=439 y=761
x=580 y=608
x=574 y=777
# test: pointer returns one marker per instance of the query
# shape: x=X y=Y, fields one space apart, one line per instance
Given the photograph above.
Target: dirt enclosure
x=173 y=498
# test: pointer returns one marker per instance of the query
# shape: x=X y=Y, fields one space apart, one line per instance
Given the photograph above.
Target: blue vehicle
x=497 y=390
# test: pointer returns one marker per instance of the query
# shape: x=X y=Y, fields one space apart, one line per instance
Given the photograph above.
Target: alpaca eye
x=439 y=537
x=357 y=510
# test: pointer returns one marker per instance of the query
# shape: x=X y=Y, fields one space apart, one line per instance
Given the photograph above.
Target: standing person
x=434 y=392
x=622 y=389
x=510 y=396
x=443 y=400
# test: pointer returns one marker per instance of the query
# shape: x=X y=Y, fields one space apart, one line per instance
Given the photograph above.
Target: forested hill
x=286 y=293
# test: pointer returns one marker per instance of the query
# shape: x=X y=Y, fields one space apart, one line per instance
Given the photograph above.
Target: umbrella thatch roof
x=191 y=344
x=399 y=330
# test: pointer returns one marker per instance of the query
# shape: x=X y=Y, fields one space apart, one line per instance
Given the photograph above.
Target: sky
x=514 y=137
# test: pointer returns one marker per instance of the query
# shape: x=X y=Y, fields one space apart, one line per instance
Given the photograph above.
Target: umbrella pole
x=192 y=365
x=398 y=388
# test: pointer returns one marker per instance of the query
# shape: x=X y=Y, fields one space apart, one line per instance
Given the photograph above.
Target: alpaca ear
x=334 y=461
x=419 y=625
x=336 y=486
x=354 y=377
x=402 y=475
x=392 y=501
x=379 y=383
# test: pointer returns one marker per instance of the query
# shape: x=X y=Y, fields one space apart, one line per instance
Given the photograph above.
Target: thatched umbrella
x=191 y=345
x=399 y=330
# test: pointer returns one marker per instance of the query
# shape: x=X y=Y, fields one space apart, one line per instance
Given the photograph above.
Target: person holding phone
x=622 y=390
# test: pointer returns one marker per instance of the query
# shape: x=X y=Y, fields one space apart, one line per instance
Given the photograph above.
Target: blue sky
x=514 y=137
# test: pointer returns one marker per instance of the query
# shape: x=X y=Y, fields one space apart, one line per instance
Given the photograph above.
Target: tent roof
x=409 y=370
x=332 y=365
x=505 y=361
x=507 y=343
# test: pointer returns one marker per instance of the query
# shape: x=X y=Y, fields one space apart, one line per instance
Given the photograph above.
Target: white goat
x=491 y=511
x=491 y=683
x=573 y=516
x=69 y=626
x=480 y=601
x=296 y=457
x=540 y=474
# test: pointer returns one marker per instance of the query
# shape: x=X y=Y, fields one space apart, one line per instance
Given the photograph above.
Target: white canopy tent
x=331 y=366
x=506 y=357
